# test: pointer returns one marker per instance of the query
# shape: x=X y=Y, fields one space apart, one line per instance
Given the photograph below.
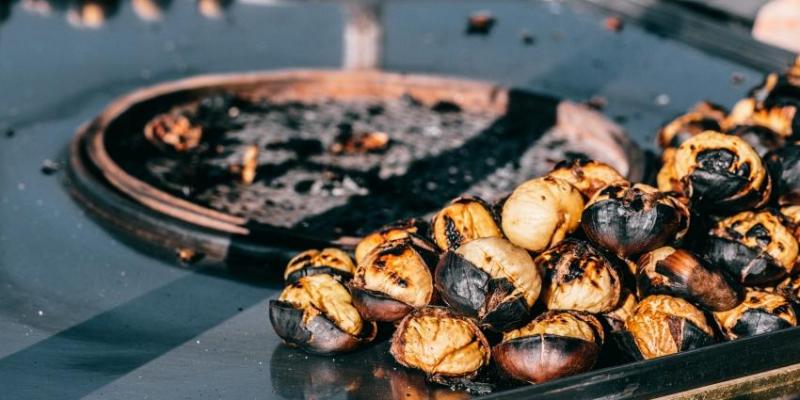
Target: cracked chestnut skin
x=760 y=312
x=679 y=273
x=785 y=167
x=588 y=176
x=442 y=344
x=330 y=261
x=491 y=280
x=316 y=314
x=704 y=116
x=465 y=218
x=755 y=247
x=541 y=212
x=554 y=345
x=663 y=325
x=719 y=173
x=630 y=219
x=397 y=230
x=580 y=277
x=394 y=279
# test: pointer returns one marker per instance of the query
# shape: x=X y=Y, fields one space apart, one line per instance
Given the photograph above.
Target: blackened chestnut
x=755 y=247
x=398 y=230
x=679 y=273
x=579 y=277
x=705 y=116
x=394 y=279
x=491 y=280
x=441 y=343
x=663 y=325
x=721 y=173
x=760 y=312
x=326 y=261
x=633 y=219
x=554 y=345
x=464 y=219
x=616 y=318
x=316 y=314
x=762 y=139
x=541 y=212
x=588 y=176
x=785 y=165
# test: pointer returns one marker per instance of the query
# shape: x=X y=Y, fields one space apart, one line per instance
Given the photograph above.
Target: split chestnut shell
x=633 y=219
x=760 y=312
x=316 y=314
x=679 y=273
x=753 y=246
x=326 y=261
x=441 y=344
x=490 y=280
x=464 y=219
x=394 y=279
x=541 y=212
x=554 y=345
x=398 y=230
x=588 y=176
x=663 y=325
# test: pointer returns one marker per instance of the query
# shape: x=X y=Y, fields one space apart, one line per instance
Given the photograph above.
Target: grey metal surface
x=84 y=315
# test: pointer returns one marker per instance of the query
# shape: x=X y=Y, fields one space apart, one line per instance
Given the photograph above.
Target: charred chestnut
x=327 y=261
x=785 y=165
x=721 y=172
x=541 y=212
x=754 y=247
x=398 y=230
x=663 y=325
x=394 y=279
x=703 y=117
x=554 y=345
x=633 y=219
x=316 y=314
x=616 y=318
x=579 y=277
x=464 y=219
x=490 y=280
x=762 y=139
x=677 y=272
x=588 y=176
x=440 y=343
x=760 y=312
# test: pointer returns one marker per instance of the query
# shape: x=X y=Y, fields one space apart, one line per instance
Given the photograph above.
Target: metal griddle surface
x=84 y=315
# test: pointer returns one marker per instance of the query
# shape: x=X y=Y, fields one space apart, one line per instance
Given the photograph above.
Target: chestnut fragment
x=173 y=131
x=330 y=261
x=663 y=325
x=464 y=219
x=440 y=343
x=491 y=280
x=554 y=345
x=705 y=116
x=580 y=277
x=394 y=279
x=785 y=165
x=397 y=230
x=754 y=247
x=633 y=219
x=316 y=314
x=760 y=312
x=588 y=176
x=677 y=272
x=541 y=212
x=720 y=172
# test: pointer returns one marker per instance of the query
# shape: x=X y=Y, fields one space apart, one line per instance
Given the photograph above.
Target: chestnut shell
x=319 y=335
x=761 y=312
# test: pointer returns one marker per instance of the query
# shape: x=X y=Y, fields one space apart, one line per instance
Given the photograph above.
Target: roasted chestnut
x=633 y=219
x=705 y=116
x=394 y=279
x=790 y=289
x=579 y=277
x=616 y=318
x=760 y=312
x=785 y=166
x=541 y=212
x=442 y=344
x=588 y=176
x=491 y=280
x=677 y=272
x=397 y=230
x=316 y=314
x=663 y=325
x=554 y=345
x=762 y=139
x=327 y=261
x=720 y=173
x=464 y=219
x=753 y=246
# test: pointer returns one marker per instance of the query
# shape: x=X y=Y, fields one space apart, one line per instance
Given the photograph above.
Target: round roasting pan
x=149 y=217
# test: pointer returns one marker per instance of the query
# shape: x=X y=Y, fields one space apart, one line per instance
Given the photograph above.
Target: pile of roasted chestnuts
x=534 y=287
